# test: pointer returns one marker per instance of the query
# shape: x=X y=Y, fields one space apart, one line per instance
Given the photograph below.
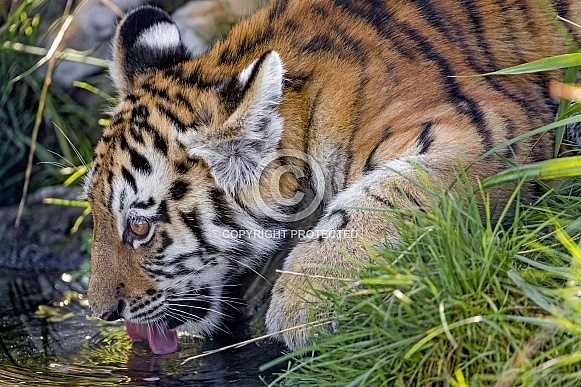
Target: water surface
x=47 y=337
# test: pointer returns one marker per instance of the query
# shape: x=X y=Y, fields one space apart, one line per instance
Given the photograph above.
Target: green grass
x=66 y=124
x=461 y=302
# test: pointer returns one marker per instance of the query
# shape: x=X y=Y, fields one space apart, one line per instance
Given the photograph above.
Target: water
x=47 y=337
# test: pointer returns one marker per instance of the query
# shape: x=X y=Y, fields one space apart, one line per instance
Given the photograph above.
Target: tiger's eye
x=139 y=227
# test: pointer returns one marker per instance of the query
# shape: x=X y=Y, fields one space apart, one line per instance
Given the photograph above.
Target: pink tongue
x=161 y=340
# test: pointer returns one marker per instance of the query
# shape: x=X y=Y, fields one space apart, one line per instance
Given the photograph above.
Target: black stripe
x=154 y=91
x=373 y=12
x=348 y=161
x=190 y=219
x=425 y=138
x=181 y=258
x=138 y=162
x=355 y=126
x=110 y=178
x=158 y=273
x=477 y=31
x=159 y=143
x=222 y=211
x=190 y=78
x=181 y=127
x=297 y=82
x=106 y=139
x=480 y=62
x=511 y=132
x=237 y=50
x=138 y=137
x=115 y=121
x=318 y=43
x=143 y=205
x=208 y=261
x=307 y=135
x=132 y=98
x=182 y=168
x=231 y=94
x=342 y=214
x=166 y=241
x=179 y=189
x=320 y=11
x=291 y=26
x=139 y=113
x=346 y=48
x=122 y=200
x=163 y=94
x=278 y=9
x=162 y=214
x=129 y=179
x=184 y=102
x=387 y=132
x=415 y=201
x=139 y=117
x=385 y=202
x=561 y=9
x=456 y=97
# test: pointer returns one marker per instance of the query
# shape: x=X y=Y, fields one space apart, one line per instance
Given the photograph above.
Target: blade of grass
x=546 y=64
x=564 y=104
x=38 y=120
x=548 y=169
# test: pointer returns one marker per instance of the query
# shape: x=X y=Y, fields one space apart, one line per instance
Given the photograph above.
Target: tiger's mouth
x=161 y=334
x=162 y=340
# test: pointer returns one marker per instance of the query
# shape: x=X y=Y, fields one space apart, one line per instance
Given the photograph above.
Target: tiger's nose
x=115 y=314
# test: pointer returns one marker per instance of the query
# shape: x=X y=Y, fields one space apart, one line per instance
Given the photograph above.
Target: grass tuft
x=463 y=301
x=66 y=129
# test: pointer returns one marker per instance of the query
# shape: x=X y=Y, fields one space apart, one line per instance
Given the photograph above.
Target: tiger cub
x=307 y=103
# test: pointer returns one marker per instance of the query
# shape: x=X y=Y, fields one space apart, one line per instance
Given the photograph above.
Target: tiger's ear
x=241 y=148
x=146 y=40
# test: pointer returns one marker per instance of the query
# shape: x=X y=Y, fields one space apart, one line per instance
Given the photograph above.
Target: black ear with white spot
x=146 y=40
x=239 y=150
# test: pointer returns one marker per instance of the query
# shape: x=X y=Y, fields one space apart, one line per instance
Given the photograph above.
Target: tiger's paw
x=294 y=310
x=300 y=307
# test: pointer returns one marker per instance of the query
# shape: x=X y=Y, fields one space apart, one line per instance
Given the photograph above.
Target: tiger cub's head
x=175 y=173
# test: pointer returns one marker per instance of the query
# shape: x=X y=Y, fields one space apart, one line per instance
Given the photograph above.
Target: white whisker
x=54 y=164
x=255 y=272
x=196 y=307
x=178 y=316
x=72 y=146
x=63 y=158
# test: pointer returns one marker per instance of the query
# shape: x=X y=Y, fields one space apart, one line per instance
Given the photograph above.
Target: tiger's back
x=347 y=96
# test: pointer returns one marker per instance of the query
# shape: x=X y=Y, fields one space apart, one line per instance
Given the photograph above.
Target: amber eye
x=139 y=227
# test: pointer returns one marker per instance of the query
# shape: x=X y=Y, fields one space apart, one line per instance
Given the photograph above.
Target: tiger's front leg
x=329 y=249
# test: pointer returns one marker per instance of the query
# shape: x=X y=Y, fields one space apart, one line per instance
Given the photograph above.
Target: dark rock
x=43 y=242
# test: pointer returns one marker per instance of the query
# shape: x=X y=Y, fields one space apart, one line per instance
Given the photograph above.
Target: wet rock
x=43 y=241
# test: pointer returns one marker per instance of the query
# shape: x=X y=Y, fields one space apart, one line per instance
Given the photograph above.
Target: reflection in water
x=60 y=343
